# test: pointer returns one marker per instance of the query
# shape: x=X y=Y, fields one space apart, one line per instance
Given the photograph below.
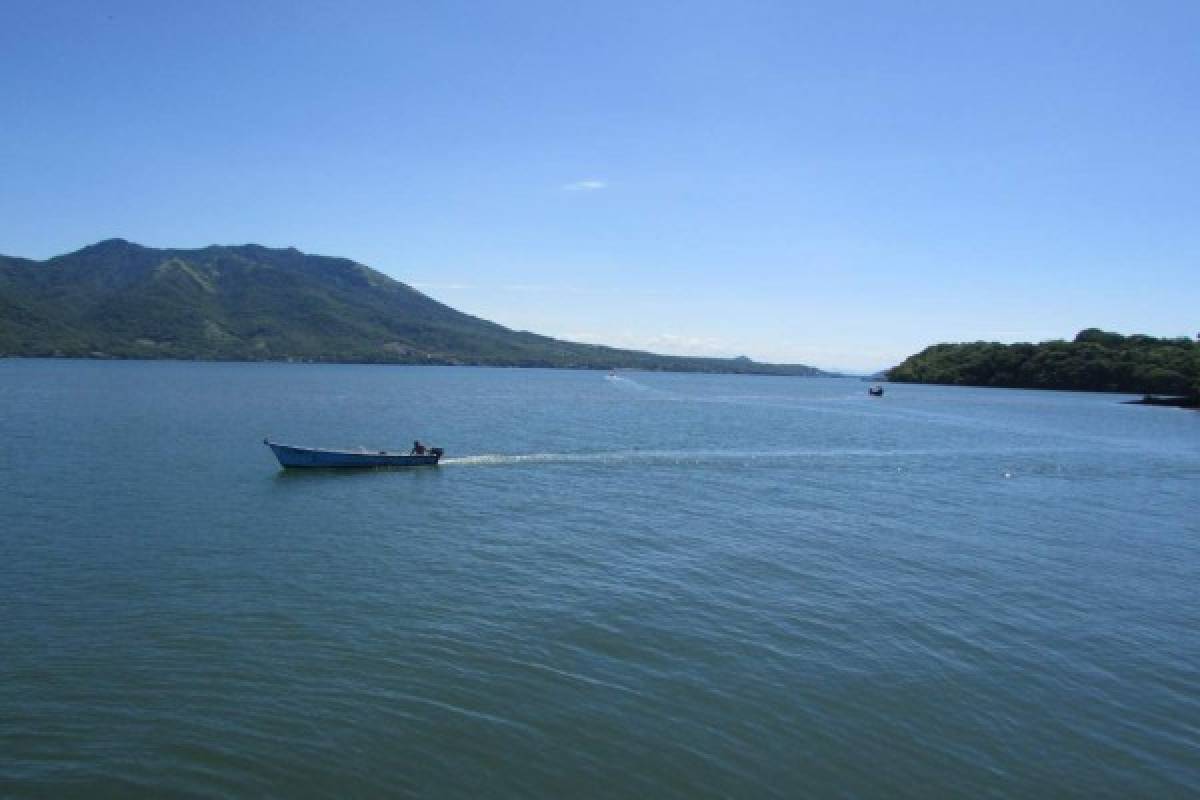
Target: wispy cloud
x=442 y=286
x=1022 y=335
x=691 y=345
x=590 y=185
x=550 y=288
x=667 y=343
x=560 y=289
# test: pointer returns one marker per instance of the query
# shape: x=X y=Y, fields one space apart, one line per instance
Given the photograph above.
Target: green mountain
x=1095 y=361
x=117 y=299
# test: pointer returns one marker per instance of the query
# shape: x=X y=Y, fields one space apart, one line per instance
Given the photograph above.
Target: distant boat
x=290 y=456
x=875 y=391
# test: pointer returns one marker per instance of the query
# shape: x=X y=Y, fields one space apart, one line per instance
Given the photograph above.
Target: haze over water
x=654 y=585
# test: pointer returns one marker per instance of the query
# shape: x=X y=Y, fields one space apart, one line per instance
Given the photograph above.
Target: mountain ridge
x=119 y=299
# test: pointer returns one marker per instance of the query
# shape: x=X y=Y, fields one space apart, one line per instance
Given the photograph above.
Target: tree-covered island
x=1096 y=360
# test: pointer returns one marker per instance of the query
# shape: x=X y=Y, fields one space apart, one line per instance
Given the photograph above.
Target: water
x=649 y=586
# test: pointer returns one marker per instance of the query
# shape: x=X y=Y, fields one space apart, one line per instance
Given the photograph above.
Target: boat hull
x=291 y=457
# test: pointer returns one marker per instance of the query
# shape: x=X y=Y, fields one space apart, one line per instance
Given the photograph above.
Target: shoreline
x=430 y=363
x=1168 y=401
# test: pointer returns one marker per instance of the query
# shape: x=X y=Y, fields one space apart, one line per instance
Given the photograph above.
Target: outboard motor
x=436 y=452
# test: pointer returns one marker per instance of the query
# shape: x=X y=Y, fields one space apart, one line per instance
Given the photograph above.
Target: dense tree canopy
x=1095 y=361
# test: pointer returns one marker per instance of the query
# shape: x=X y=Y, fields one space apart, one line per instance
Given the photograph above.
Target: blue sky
x=837 y=183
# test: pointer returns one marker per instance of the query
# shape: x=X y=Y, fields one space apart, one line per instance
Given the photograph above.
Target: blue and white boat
x=291 y=456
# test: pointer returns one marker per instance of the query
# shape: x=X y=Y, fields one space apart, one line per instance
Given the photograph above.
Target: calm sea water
x=667 y=586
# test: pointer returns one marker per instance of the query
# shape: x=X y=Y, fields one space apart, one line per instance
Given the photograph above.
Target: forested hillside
x=117 y=299
x=1095 y=361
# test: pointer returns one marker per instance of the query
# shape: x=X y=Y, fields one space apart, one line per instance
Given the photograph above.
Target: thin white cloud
x=666 y=343
x=590 y=185
x=549 y=288
x=1022 y=335
x=691 y=345
x=529 y=288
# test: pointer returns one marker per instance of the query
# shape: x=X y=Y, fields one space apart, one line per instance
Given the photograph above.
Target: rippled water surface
x=667 y=586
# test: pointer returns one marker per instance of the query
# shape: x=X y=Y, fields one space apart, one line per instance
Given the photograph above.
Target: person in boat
x=418 y=448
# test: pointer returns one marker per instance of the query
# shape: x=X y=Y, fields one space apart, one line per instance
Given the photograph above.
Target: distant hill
x=1095 y=361
x=117 y=299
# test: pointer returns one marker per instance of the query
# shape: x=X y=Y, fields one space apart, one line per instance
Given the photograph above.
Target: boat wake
x=729 y=457
x=621 y=382
x=610 y=459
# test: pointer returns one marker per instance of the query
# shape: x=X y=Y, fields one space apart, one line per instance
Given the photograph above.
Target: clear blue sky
x=833 y=183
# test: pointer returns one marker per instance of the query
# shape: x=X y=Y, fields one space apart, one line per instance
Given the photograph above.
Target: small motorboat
x=291 y=456
x=875 y=391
